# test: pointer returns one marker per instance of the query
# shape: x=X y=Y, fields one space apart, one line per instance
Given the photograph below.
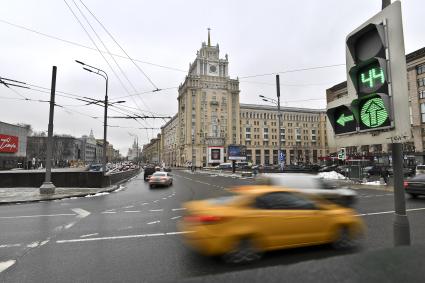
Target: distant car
x=149 y=170
x=160 y=179
x=95 y=167
x=312 y=184
x=415 y=186
x=241 y=227
x=166 y=169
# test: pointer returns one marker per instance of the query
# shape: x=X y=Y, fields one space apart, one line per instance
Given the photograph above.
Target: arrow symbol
x=372 y=110
x=344 y=119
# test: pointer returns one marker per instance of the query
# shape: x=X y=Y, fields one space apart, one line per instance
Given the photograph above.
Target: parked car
x=95 y=167
x=420 y=169
x=225 y=166
x=261 y=218
x=149 y=170
x=160 y=179
x=315 y=185
x=415 y=186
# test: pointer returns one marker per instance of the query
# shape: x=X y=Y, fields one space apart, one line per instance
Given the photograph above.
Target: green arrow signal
x=344 y=119
x=373 y=113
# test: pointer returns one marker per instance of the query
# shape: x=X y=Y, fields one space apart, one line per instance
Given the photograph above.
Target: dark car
x=415 y=186
x=149 y=170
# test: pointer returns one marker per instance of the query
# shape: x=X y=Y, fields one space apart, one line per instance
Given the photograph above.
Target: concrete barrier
x=84 y=179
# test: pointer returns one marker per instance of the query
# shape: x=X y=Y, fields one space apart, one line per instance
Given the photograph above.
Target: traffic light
x=342 y=119
x=369 y=76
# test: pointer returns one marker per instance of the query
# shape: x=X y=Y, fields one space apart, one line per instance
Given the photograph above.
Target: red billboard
x=8 y=143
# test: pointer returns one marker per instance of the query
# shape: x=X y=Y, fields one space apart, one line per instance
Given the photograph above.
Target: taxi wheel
x=244 y=252
x=344 y=240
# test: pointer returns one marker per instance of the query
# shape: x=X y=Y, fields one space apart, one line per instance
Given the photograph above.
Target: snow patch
x=96 y=195
x=331 y=175
x=374 y=183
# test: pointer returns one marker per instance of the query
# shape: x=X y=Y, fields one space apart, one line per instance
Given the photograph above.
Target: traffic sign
x=282 y=156
x=342 y=154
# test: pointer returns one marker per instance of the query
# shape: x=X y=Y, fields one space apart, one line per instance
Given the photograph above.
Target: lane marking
x=164 y=198
x=89 y=235
x=35 y=216
x=6 y=264
x=81 y=212
x=130 y=206
x=10 y=246
x=388 y=212
x=153 y=222
x=33 y=244
x=175 y=217
x=67 y=226
x=156 y=210
x=108 y=212
x=145 y=203
x=177 y=209
x=121 y=237
x=132 y=211
x=156 y=200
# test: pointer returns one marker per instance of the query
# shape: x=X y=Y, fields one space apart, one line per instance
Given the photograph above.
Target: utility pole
x=48 y=187
x=279 y=116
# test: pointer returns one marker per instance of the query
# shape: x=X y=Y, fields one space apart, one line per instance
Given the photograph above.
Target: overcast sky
x=260 y=37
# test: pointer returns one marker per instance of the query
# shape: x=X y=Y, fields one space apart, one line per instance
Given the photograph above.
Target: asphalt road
x=131 y=235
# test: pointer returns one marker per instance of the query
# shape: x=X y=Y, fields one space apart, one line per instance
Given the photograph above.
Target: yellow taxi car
x=263 y=218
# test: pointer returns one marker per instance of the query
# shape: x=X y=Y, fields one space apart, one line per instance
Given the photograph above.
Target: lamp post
x=103 y=74
x=279 y=115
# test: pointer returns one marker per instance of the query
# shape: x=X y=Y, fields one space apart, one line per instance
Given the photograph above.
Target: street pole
x=48 y=187
x=401 y=222
x=193 y=153
x=105 y=127
x=279 y=121
x=385 y=3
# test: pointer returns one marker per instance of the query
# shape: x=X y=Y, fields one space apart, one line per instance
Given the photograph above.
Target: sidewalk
x=25 y=195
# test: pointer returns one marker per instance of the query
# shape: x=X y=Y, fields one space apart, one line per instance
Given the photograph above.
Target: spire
x=209 y=38
x=91 y=133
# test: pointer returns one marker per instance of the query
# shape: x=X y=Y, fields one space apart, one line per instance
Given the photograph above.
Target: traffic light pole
x=401 y=222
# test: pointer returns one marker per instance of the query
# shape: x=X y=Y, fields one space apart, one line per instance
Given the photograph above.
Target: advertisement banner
x=236 y=152
x=215 y=154
x=8 y=144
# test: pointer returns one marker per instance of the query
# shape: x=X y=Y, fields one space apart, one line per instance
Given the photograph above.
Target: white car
x=313 y=184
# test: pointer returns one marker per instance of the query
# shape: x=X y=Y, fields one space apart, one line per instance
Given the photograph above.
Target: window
x=421 y=82
x=420 y=69
x=283 y=200
x=423 y=112
x=422 y=94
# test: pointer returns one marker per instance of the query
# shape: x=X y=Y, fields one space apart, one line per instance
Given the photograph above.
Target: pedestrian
x=385 y=174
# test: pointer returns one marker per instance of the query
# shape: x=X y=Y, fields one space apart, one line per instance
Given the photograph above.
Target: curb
x=108 y=190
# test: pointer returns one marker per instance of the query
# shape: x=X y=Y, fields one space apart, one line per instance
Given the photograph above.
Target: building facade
x=65 y=150
x=134 y=152
x=414 y=149
x=88 y=149
x=303 y=134
x=208 y=108
x=13 y=144
x=152 y=151
x=210 y=117
x=169 y=142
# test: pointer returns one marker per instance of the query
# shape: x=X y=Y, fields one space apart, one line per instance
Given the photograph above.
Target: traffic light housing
x=376 y=89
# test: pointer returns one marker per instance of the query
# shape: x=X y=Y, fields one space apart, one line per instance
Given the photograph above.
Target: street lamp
x=279 y=115
x=103 y=74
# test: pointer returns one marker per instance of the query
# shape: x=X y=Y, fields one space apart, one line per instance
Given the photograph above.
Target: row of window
x=270 y=116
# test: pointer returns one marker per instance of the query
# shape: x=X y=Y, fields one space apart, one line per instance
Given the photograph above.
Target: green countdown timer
x=370 y=78
x=373 y=113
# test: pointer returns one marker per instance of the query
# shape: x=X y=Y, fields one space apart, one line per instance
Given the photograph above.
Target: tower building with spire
x=208 y=113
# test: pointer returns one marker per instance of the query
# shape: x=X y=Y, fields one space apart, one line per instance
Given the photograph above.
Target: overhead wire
x=88 y=47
